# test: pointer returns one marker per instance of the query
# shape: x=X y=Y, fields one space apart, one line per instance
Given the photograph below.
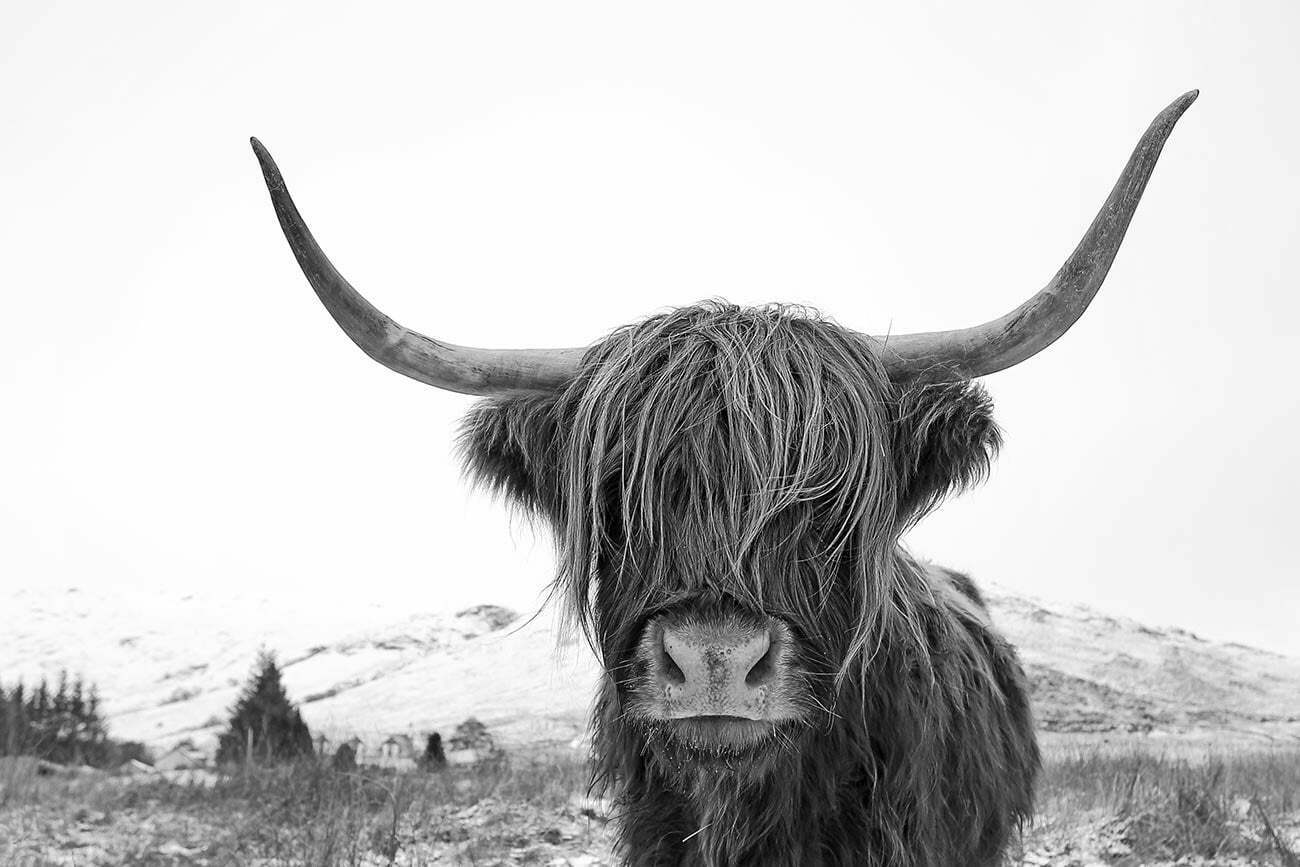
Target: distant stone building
x=396 y=753
x=182 y=757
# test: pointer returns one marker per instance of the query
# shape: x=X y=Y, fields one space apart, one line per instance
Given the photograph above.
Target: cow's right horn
x=444 y=365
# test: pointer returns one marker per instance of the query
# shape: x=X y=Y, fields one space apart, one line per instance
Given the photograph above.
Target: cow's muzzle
x=719 y=667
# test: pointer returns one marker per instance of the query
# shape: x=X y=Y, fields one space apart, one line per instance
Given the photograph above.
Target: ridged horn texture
x=465 y=369
x=966 y=352
x=1036 y=324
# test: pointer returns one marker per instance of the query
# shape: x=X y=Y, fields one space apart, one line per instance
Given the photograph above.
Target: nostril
x=673 y=672
x=764 y=669
x=669 y=670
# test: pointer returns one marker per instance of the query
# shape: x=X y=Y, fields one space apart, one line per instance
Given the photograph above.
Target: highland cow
x=728 y=487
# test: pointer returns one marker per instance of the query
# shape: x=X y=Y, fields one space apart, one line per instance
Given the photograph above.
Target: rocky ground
x=1131 y=809
x=522 y=814
x=489 y=832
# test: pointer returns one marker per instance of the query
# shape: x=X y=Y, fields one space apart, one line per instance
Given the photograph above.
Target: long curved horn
x=1036 y=324
x=456 y=368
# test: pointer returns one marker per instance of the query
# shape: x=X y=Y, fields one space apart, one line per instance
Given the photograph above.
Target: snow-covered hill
x=169 y=665
x=1092 y=672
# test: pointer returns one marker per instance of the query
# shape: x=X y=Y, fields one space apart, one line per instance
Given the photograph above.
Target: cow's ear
x=510 y=446
x=944 y=441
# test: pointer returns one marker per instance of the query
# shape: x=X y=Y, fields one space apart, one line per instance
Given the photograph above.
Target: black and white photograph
x=593 y=434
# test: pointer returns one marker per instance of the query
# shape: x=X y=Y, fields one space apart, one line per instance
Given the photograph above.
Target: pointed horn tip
x=1163 y=124
x=270 y=171
x=263 y=155
x=1182 y=103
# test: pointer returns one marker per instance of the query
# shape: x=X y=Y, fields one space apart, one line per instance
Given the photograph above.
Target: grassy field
x=1097 y=806
x=1129 y=807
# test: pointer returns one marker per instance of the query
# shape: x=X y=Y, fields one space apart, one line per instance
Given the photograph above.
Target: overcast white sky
x=179 y=411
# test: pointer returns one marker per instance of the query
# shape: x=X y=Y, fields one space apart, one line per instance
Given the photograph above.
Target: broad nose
x=722 y=669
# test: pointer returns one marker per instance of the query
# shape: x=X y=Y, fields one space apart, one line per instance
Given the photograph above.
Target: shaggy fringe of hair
x=715 y=446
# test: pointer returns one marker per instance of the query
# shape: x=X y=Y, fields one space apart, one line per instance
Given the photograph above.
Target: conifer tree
x=62 y=727
x=38 y=721
x=79 y=732
x=264 y=725
x=345 y=759
x=17 y=721
x=96 y=734
x=59 y=704
x=434 y=756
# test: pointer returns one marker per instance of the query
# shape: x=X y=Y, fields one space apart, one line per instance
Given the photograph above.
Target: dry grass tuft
x=303 y=814
x=1142 y=808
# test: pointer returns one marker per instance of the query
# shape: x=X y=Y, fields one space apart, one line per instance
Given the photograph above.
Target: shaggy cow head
x=728 y=486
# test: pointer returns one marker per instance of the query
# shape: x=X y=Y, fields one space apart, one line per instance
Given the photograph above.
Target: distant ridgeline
x=62 y=725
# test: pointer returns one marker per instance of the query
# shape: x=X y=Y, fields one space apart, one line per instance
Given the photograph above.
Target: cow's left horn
x=1036 y=324
x=445 y=365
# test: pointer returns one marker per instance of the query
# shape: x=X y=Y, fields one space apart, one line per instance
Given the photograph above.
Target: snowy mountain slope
x=169 y=666
x=1094 y=672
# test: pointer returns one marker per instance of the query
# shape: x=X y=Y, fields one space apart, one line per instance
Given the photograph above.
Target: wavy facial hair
x=723 y=450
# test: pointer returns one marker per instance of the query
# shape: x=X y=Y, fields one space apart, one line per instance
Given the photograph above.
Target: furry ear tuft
x=945 y=440
x=509 y=446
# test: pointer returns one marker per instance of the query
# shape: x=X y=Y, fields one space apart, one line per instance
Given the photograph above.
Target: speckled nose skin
x=718 y=669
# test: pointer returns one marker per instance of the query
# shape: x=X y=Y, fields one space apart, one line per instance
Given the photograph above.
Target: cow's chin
x=723 y=737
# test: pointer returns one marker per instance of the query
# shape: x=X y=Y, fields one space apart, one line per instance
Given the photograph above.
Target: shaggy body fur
x=761 y=461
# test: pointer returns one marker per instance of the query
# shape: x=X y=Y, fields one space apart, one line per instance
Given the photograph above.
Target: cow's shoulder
x=958 y=592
